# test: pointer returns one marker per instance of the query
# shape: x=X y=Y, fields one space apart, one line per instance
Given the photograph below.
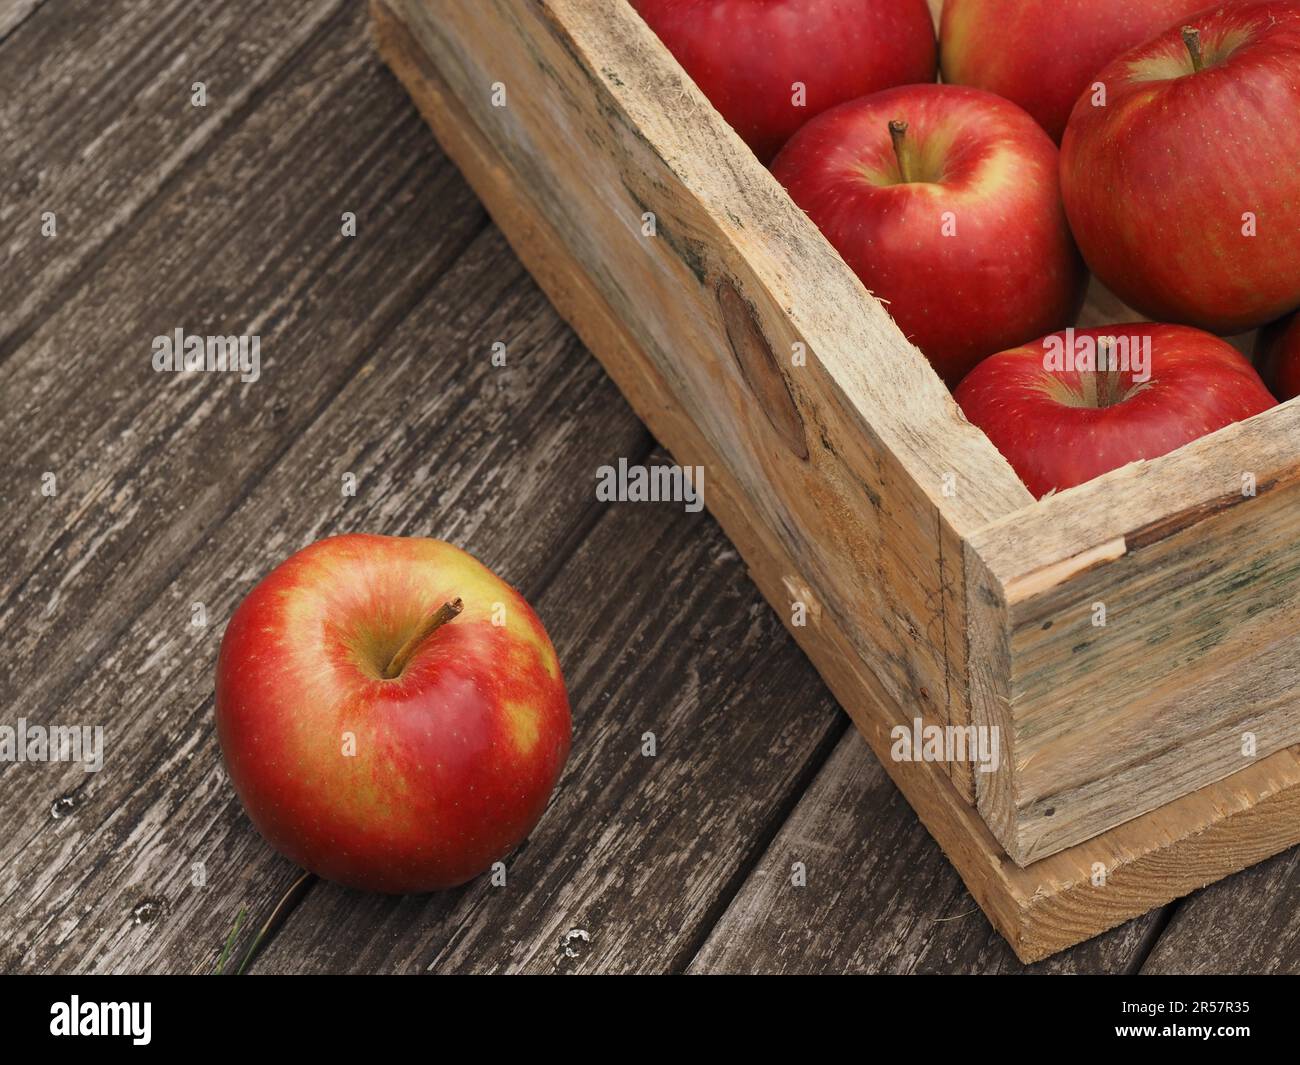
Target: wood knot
x=760 y=369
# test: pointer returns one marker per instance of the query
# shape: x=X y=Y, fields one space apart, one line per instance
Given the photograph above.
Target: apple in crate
x=1277 y=354
x=1044 y=54
x=391 y=712
x=1183 y=184
x=1078 y=404
x=945 y=201
x=770 y=65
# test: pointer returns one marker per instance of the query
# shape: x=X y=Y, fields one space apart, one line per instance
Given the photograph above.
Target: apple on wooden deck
x=1142 y=758
x=391 y=712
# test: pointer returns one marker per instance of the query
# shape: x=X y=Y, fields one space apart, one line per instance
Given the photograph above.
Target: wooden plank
x=500 y=461
x=831 y=475
x=1248 y=924
x=636 y=851
x=147 y=464
x=1200 y=651
x=96 y=119
x=13 y=13
x=853 y=884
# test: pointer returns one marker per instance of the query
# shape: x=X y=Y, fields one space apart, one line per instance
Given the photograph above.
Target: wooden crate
x=935 y=588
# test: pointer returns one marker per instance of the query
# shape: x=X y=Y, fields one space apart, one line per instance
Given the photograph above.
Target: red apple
x=377 y=736
x=1184 y=188
x=1043 y=54
x=1060 y=421
x=1277 y=354
x=749 y=56
x=945 y=201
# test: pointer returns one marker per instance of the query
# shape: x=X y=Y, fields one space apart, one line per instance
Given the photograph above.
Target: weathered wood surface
x=92 y=134
x=148 y=464
x=1200 y=582
x=442 y=468
x=375 y=363
x=150 y=469
x=852 y=883
x=637 y=851
x=14 y=12
x=1248 y=924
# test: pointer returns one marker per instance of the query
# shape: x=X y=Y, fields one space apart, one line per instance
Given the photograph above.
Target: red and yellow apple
x=391 y=712
x=1044 y=54
x=1183 y=185
x=770 y=65
x=1061 y=414
x=945 y=201
x=1277 y=355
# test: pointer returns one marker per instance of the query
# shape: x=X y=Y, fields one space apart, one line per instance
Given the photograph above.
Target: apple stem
x=898 y=134
x=440 y=617
x=1192 y=38
x=1103 y=387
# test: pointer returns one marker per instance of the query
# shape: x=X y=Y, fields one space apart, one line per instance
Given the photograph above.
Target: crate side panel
x=1155 y=641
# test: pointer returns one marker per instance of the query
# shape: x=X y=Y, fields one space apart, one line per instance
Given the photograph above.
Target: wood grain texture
x=877 y=895
x=148 y=464
x=830 y=474
x=13 y=13
x=1094 y=886
x=637 y=851
x=1247 y=925
x=90 y=132
x=126 y=841
x=1200 y=647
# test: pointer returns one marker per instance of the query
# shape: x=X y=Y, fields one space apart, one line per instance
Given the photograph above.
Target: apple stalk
x=902 y=151
x=1103 y=385
x=1192 y=38
x=404 y=654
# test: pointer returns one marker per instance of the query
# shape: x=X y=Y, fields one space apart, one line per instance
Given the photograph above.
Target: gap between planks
x=13 y=13
x=880 y=895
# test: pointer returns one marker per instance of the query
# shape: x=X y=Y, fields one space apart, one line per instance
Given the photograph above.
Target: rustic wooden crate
x=935 y=587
